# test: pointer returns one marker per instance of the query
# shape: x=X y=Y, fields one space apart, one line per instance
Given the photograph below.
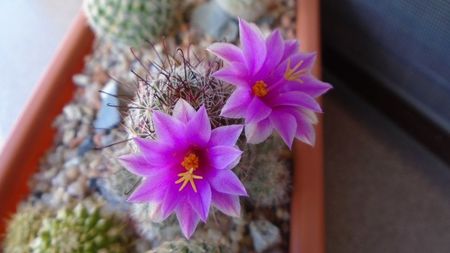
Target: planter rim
x=307 y=231
x=32 y=134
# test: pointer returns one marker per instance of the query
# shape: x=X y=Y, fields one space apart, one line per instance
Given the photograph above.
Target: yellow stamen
x=188 y=177
x=260 y=89
x=190 y=163
x=295 y=73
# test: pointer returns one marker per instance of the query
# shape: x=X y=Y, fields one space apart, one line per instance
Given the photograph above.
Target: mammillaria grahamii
x=274 y=85
x=187 y=168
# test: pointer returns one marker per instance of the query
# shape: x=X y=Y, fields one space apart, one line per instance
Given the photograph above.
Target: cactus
x=265 y=172
x=132 y=21
x=22 y=228
x=81 y=230
x=190 y=81
x=184 y=246
x=116 y=187
x=150 y=227
x=249 y=10
x=219 y=228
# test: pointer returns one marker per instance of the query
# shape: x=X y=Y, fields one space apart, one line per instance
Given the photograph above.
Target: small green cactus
x=22 y=228
x=132 y=21
x=265 y=170
x=184 y=246
x=81 y=230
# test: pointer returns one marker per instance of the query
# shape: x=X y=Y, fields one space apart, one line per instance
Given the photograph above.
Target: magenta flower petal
x=170 y=200
x=188 y=219
x=149 y=146
x=309 y=116
x=305 y=61
x=286 y=125
x=310 y=86
x=148 y=190
x=225 y=135
x=237 y=104
x=299 y=63
x=200 y=128
x=257 y=111
x=253 y=46
x=137 y=164
x=201 y=201
x=227 y=52
x=290 y=48
x=155 y=153
x=227 y=204
x=225 y=181
x=305 y=129
x=259 y=131
x=183 y=111
x=306 y=133
x=220 y=157
x=232 y=74
x=296 y=99
x=168 y=128
x=273 y=56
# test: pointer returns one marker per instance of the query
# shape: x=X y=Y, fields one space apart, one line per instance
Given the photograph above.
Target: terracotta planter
x=33 y=135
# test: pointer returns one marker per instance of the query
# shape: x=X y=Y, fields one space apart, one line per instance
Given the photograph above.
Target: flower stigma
x=260 y=88
x=190 y=163
x=295 y=73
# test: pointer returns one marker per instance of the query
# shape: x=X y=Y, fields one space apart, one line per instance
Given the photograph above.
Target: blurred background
x=387 y=122
x=387 y=125
x=30 y=32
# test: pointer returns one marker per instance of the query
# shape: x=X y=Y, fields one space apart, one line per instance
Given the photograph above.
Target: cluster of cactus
x=192 y=246
x=264 y=168
x=40 y=230
x=132 y=22
x=23 y=228
x=265 y=172
x=82 y=230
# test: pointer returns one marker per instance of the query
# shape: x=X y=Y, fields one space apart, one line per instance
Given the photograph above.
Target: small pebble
x=59 y=180
x=72 y=113
x=108 y=116
x=76 y=189
x=71 y=174
x=265 y=235
x=68 y=137
x=56 y=198
x=85 y=146
x=81 y=80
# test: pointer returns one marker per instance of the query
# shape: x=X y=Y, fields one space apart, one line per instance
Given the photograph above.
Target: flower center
x=295 y=73
x=190 y=163
x=260 y=89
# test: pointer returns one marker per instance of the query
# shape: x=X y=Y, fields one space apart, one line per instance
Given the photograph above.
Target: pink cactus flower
x=187 y=168
x=275 y=89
